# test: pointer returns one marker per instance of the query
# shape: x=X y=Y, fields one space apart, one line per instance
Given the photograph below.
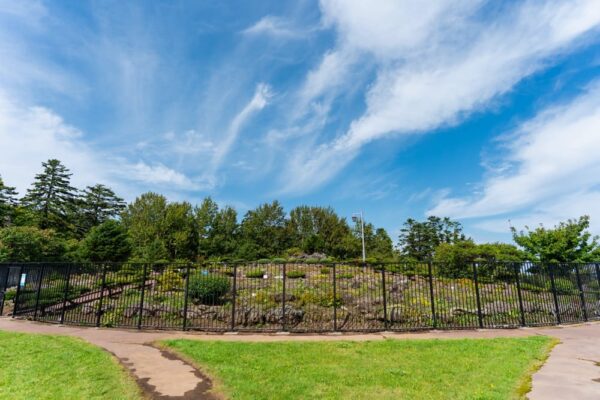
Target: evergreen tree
x=108 y=241
x=98 y=204
x=52 y=197
x=418 y=240
x=8 y=202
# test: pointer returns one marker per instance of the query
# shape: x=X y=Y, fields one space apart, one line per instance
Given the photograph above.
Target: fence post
x=519 y=294
x=432 y=294
x=385 y=311
x=581 y=294
x=554 y=294
x=334 y=299
x=597 y=278
x=283 y=300
x=186 y=295
x=16 y=300
x=101 y=300
x=477 y=296
x=234 y=297
x=37 y=295
x=4 y=288
x=66 y=295
x=141 y=309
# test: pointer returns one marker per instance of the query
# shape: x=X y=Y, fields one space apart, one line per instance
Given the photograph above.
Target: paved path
x=571 y=372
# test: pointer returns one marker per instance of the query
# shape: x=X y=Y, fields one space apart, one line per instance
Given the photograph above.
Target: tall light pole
x=355 y=218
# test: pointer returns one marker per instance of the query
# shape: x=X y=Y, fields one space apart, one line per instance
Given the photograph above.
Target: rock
x=87 y=309
x=462 y=311
x=130 y=312
x=498 y=307
x=278 y=298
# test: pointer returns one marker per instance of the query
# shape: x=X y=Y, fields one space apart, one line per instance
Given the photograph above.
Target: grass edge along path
x=35 y=366
x=498 y=368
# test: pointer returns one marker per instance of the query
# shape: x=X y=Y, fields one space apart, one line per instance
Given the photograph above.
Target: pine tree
x=52 y=196
x=98 y=204
x=8 y=201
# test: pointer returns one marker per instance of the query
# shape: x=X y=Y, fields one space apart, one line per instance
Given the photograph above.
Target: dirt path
x=571 y=371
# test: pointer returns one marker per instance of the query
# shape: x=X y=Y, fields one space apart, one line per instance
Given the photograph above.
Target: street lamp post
x=355 y=218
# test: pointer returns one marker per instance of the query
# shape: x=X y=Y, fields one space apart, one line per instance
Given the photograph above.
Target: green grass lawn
x=389 y=369
x=59 y=367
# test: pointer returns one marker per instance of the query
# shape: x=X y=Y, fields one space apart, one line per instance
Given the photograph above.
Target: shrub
x=208 y=289
x=325 y=271
x=264 y=261
x=345 y=275
x=170 y=279
x=279 y=260
x=257 y=273
x=295 y=274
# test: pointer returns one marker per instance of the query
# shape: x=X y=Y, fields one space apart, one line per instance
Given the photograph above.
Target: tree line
x=55 y=221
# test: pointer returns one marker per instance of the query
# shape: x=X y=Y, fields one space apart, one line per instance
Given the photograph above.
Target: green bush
x=296 y=274
x=345 y=275
x=325 y=271
x=10 y=294
x=208 y=289
x=257 y=273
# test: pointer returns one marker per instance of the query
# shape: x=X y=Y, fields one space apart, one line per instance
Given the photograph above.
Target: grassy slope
x=59 y=367
x=390 y=369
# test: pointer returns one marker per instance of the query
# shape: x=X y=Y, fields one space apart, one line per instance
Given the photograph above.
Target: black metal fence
x=300 y=297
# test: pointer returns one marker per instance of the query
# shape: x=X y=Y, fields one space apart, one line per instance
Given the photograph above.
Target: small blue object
x=23 y=280
x=204 y=272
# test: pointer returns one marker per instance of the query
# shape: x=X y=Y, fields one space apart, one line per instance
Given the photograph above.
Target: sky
x=483 y=111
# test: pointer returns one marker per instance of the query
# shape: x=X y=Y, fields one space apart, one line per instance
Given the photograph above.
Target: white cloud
x=30 y=135
x=260 y=99
x=157 y=174
x=273 y=26
x=553 y=168
x=435 y=66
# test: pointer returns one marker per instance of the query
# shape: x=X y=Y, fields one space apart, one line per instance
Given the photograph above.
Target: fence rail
x=300 y=297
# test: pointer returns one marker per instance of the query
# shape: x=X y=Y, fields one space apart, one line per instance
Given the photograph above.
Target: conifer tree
x=8 y=201
x=52 y=197
x=98 y=204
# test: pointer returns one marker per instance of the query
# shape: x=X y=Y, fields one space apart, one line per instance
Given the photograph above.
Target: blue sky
x=483 y=111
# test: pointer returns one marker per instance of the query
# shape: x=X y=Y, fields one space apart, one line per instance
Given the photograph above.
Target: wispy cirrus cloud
x=550 y=172
x=447 y=63
x=274 y=26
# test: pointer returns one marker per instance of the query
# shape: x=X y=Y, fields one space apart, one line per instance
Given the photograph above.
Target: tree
x=316 y=229
x=99 y=204
x=566 y=242
x=8 y=202
x=224 y=235
x=181 y=237
x=418 y=240
x=108 y=241
x=263 y=229
x=380 y=246
x=145 y=221
x=205 y=215
x=456 y=259
x=52 y=197
x=30 y=244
